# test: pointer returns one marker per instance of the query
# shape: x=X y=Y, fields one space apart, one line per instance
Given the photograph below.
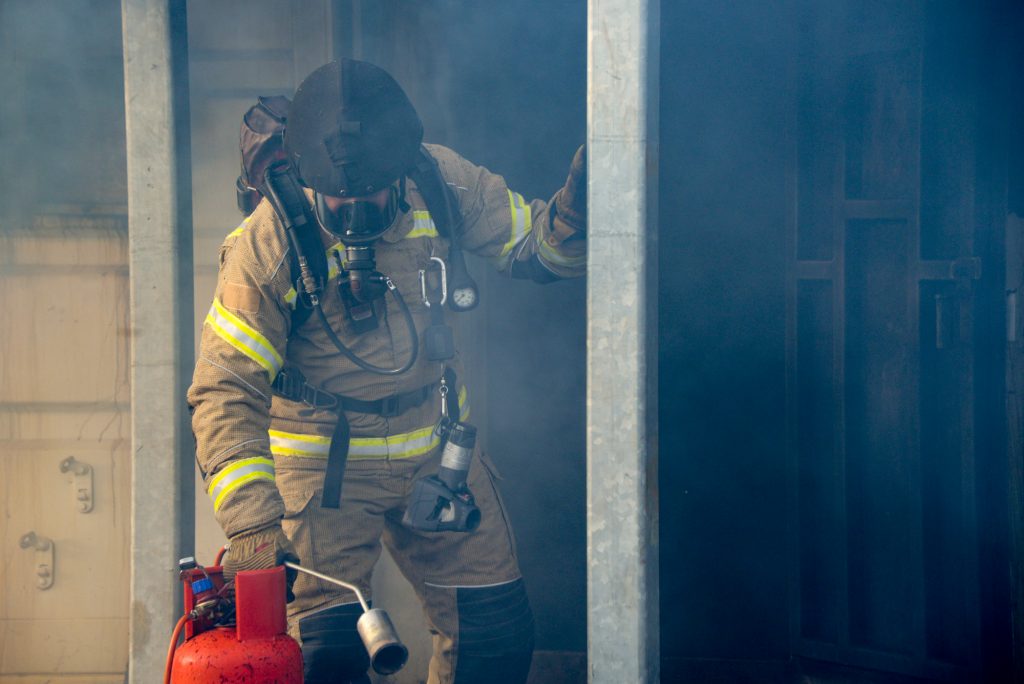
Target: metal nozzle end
x=387 y=653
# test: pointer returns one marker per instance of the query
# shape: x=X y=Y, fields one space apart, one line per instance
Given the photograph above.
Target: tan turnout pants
x=346 y=542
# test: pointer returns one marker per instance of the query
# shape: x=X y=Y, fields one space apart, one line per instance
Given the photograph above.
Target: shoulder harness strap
x=438 y=196
x=285 y=195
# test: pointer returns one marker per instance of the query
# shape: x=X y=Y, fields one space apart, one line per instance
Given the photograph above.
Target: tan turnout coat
x=245 y=434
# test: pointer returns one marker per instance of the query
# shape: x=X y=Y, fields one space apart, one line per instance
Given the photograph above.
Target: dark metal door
x=881 y=363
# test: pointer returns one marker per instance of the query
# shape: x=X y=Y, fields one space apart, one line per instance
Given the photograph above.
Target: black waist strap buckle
x=318 y=398
x=289 y=383
x=391 y=406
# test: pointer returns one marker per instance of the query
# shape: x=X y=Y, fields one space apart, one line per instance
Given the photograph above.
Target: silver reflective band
x=422 y=225
x=238 y=474
x=244 y=338
x=402 y=445
x=294 y=444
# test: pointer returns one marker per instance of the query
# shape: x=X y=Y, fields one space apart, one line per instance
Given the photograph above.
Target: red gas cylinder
x=256 y=650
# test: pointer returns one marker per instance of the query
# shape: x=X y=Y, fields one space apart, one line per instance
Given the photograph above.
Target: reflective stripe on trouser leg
x=495 y=638
x=332 y=652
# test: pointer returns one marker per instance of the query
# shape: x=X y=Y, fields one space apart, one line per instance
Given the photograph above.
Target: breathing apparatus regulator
x=353 y=137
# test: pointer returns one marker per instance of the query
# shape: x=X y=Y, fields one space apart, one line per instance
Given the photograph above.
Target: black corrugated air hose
x=365 y=365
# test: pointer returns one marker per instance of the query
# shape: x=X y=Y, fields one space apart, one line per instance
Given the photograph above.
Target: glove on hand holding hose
x=260 y=549
x=571 y=200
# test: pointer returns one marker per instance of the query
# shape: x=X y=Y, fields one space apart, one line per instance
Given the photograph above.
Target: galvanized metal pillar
x=622 y=470
x=160 y=261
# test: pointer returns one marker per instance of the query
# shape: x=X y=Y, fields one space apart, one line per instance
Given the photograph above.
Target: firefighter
x=370 y=379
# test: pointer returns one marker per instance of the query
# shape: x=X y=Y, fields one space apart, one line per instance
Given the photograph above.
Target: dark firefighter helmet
x=351 y=130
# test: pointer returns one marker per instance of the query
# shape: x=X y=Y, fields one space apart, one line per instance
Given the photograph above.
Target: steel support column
x=160 y=261
x=622 y=471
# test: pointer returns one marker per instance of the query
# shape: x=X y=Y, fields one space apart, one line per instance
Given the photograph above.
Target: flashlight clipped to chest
x=443 y=502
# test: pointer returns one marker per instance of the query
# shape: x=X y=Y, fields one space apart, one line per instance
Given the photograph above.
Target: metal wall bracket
x=43 y=548
x=81 y=479
x=965 y=271
x=965 y=268
x=951 y=307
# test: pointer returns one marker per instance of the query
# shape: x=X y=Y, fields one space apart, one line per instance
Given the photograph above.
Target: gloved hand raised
x=571 y=200
x=259 y=549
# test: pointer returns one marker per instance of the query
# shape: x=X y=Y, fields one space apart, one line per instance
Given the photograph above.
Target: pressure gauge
x=463 y=298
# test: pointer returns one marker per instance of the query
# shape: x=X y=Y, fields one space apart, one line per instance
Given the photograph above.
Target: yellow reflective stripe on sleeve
x=402 y=445
x=422 y=225
x=238 y=474
x=556 y=258
x=244 y=338
x=522 y=221
x=241 y=227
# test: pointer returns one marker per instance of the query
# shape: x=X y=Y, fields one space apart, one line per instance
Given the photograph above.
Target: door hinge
x=81 y=480
x=43 y=550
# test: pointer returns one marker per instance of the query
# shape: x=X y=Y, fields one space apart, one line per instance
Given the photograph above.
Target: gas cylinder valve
x=205 y=596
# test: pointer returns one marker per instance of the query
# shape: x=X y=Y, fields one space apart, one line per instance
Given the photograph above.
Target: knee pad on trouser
x=495 y=640
x=332 y=652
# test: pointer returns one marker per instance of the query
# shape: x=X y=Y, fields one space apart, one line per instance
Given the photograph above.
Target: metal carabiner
x=444 y=283
x=444 y=423
x=442 y=389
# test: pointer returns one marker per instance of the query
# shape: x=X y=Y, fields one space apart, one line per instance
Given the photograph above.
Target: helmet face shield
x=359 y=222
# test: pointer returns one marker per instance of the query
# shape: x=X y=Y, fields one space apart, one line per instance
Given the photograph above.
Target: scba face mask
x=360 y=222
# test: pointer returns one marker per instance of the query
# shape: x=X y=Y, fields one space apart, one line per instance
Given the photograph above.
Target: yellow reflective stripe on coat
x=334 y=260
x=522 y=221
x=296 y=444
x=463 y=404
x=422 y=225
x=244 y=338
x=238 y=474
x=402 y=445
x=291 y=296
